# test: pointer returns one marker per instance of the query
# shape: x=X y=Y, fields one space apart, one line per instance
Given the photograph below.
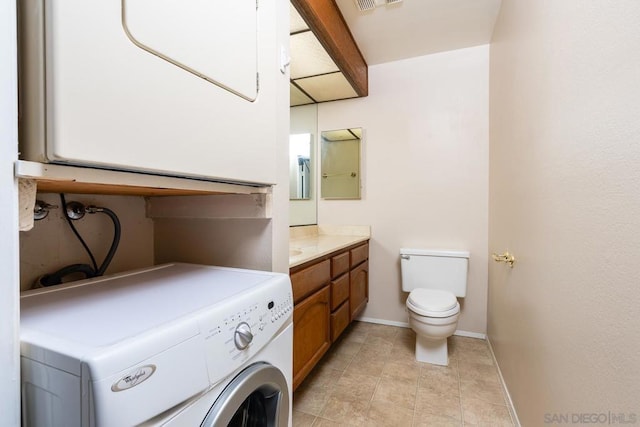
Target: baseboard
x=383 y=322
x=512 y=410
x=468 y=334
x=406 y=325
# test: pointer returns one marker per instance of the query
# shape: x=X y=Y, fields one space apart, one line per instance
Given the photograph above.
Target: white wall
x=425 y=171
x=9 y=291
x=304 y=119
x=565 y=199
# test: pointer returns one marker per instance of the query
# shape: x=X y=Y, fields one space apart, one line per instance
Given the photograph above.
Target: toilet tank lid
x=434 y=252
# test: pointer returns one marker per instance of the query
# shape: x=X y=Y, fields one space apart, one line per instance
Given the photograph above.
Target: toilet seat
x=433 y=303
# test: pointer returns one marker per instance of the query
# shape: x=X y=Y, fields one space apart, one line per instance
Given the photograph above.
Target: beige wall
x=425 y=171
x=241 y=243
x=51 y=244
x=565 y=199
x=163 y=229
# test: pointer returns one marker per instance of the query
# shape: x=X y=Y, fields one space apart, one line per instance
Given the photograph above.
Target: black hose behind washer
x=116 y=237
x=85 y=269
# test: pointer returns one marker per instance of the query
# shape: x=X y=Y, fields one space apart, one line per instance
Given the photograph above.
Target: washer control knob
x=242 y=337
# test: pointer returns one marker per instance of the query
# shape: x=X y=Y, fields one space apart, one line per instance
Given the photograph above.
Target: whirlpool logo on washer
x=134 y=378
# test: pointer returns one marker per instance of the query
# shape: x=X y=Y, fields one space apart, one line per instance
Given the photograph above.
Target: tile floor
x=371 y=378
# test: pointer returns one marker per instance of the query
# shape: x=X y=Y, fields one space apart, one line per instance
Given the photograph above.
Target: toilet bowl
x=433 y=316
x=434 y=280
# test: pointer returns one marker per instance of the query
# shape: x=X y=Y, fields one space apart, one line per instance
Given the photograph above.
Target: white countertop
x=313 y=241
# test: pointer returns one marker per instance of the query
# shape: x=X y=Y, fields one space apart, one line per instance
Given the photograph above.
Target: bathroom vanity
x=330 y=280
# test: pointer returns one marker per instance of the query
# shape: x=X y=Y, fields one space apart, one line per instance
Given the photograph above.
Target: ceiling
x=419 y=27
x=314 y=75
x=393 y=32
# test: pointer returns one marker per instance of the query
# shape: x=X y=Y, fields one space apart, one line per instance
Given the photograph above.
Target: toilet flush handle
x=405 y=256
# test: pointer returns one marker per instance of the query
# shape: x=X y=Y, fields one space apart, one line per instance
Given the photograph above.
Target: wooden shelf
x=53 y=178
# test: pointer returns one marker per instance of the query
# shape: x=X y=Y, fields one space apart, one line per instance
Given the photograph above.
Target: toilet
x=434 y=280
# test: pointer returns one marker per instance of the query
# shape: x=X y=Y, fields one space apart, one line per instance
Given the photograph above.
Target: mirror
x=302 y=203
x=340 y=164
x=300 y=166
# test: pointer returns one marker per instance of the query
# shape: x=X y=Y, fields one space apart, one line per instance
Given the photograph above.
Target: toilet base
x=432 y=351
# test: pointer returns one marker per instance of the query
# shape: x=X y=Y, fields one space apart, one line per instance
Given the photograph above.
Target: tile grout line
x=505 y=403
x=462 y=421
x=415 y=405
x=378 y=381
x=371 y=399
x=342 y=373
x=396 y=339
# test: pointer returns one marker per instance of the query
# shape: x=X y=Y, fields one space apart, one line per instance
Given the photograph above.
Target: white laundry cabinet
x=180 y=88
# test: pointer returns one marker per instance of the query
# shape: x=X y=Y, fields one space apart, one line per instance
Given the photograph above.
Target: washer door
x=257 y=397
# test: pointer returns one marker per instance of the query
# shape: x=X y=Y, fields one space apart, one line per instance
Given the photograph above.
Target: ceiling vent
x=365 y=5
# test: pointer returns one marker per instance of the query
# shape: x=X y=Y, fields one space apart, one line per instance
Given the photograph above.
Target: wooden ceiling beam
x=328 y=24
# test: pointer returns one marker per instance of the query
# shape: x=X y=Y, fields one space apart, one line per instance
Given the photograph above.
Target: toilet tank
x=434 y=269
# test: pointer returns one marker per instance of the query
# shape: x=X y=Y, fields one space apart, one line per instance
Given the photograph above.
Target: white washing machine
x=172 y=345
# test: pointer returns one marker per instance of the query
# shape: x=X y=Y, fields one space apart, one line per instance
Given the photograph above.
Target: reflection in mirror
x=300 y=166
x=340 y=164
x=304 y=120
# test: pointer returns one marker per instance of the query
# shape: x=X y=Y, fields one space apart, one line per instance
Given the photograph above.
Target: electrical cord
x=85 y=269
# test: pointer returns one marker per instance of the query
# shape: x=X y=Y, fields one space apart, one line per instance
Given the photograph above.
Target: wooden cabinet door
x=339 y=320
x=359 y=288
x=311 y=333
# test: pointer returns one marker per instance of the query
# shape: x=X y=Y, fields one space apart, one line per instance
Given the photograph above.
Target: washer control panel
x=236 y=330
x=243 y=336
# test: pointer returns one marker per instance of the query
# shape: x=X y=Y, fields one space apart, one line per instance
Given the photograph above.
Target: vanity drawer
x=339 y=290
x=309 y=280
x=359 y=254
x=339 y=321
x=339 y=264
